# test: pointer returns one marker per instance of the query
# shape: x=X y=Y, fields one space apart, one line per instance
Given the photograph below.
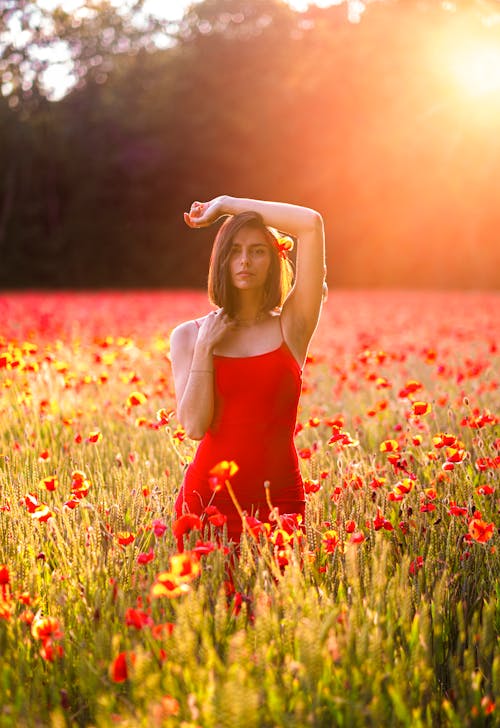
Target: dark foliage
x=363 y=121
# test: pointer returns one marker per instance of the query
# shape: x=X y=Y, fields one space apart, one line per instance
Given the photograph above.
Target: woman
x=237 y=371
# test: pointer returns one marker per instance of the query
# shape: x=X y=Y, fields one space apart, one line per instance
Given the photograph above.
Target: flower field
x=381 y=610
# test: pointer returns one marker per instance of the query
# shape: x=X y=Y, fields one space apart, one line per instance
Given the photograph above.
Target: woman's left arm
x=300 y=313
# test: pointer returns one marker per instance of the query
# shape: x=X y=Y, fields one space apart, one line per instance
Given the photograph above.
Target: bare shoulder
x=183 y=337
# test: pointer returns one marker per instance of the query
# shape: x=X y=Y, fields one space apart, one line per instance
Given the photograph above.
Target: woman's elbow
x=194 y=434
x=313 y=221
x=194 y=430
x=316 y=220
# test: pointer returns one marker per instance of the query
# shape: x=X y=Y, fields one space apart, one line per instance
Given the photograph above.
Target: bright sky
x=58 y=75
x=173 y=9
x=474 y=65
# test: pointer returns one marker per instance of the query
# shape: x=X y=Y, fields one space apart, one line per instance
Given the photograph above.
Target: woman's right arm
x=191 y=354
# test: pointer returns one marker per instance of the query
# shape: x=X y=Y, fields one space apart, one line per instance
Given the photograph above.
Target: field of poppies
x=382 y=611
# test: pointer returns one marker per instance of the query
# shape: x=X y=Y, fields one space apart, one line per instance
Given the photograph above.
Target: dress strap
x=281 y=330
x=284 y=341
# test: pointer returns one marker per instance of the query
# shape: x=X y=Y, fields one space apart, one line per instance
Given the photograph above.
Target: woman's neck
x=246 y=320
x=249 y=310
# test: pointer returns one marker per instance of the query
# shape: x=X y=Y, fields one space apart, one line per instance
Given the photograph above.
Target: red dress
x=255 y=410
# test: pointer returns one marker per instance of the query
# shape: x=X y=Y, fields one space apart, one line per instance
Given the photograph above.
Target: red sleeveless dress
x=255 y=410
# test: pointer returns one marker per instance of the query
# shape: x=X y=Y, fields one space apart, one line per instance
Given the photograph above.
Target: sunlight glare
x=477 y=68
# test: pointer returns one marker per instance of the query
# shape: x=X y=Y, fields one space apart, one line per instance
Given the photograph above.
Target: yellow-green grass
x=398 y=629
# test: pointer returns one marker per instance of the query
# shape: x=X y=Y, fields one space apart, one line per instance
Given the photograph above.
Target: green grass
x=364 y=636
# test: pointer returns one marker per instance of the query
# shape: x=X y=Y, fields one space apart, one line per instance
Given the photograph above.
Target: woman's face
x=250 y=259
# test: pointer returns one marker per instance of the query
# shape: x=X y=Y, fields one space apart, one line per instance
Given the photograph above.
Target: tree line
x=364 y=121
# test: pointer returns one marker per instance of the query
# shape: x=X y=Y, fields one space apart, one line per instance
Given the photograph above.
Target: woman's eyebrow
x=251 y=245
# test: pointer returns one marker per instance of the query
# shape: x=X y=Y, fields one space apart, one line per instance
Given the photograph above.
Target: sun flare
x=476 y=68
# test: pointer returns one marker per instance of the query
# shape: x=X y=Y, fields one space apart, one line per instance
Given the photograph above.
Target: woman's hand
x=203 y=214
x=213 y=329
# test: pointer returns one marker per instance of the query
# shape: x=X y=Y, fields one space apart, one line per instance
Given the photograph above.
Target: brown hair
x=220 y=289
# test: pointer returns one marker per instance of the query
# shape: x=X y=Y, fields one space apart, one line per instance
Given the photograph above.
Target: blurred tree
x=88 y=40
x=360 y=120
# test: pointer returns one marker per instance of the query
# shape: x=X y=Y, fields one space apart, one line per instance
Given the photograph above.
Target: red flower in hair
x=284 y=244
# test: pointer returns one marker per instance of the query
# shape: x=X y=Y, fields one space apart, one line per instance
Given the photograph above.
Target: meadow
x=383 y=610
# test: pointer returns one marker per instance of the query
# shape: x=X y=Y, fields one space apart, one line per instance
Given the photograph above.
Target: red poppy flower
x=291 y=522
x=184 y=568
x=416 y=564
x=311 y=486
x=444 y=439
x=485 y=490
x=79 y=484
x=427 y=508
x=137 y=618
x=158 y=631
x=455 y=454
x=44 y=628
x=404 y=486
x=330 y=540
x=179 y=434
x=389 y=446
x=487 y=705
x=215 y=517
x=50 y=483
x=72 y=503
x=159 y=528
x=395 y=496
x=487 y=463
x=30 y=501
x=119 y=668
x=410 y=388
x=145 y=558
x=42 y=513
x=169 y=706
x=455 y=510
x=357 y=537
x=50 y=651
x=257 y=527
x=220 y=473
x=305 y=453
x=421 y=408
x=481 y=531
x=164 y=416
x=136 y=398
x=280 y=537
x=186 y=523
x=381 y=522
x=203 y=548
x=125 y=538
x=167 y=585
x=4 y=575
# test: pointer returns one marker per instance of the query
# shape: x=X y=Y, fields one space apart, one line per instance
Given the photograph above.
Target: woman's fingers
x=199 y=215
